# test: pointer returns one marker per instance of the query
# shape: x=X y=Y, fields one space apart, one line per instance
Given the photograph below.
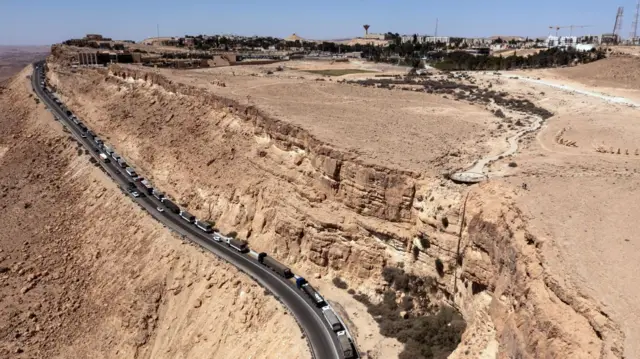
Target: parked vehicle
x=237 y=244
x=204 y=225
x=331 y=318
x=217 y=237
x=187 y=216
x=170 y=205
x=131 y=172
x=314 y=295
x=108 y=150
x=147 y=185
x=274 y=265
x=157 y=194
x=160 y=209
x=121 y=162
x=104 y=158
x=345 y=344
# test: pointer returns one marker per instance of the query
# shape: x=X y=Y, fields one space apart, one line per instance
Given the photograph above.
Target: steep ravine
x=324 y=211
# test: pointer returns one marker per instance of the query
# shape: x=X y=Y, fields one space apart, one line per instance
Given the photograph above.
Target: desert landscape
x=125 y=287
x=15 y=58
x=347 y=172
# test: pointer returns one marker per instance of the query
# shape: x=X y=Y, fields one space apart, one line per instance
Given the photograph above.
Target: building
x=609 y=39
x=375 y=36
x=294 y=38
x=189 y=41
x=437 y=39
x=95 y=37
x=477 y=41
x=561 y=41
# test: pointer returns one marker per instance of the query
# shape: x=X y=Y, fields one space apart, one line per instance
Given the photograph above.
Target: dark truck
x=187 y=216
x=332 y=319
x=314 y=295
x=311 y=292
x=170 y=205
x=204 y=225
x=147 y=186
x=237 y=244
x=274 y=265
x=345 y=344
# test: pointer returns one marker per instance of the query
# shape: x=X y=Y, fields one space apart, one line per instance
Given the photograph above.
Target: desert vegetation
x=428 y=330
x=460 y=60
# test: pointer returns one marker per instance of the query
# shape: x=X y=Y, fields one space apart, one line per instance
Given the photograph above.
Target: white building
x=561 y=41
x=436 y=39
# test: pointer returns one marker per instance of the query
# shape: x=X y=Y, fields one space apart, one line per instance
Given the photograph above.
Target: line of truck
x=139 y=185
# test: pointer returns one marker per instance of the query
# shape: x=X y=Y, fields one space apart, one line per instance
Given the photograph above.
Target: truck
x=157 y=194
x=331 y=318
x=312 y=293
x=131 y=172
x=237 y=244
x=108 y=150
x=300 y=281
x=187 y=216
x=345 y=344
x=121 y=162
x=104 y=158
x=204 y=225
x=148 y=187
x=170 y=205
x=274 y=265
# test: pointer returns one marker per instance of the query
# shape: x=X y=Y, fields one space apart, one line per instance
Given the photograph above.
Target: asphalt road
x=321 y=338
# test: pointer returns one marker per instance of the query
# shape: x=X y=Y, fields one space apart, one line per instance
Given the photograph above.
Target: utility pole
x=436 y=33
x=634 y=26
x=158 y=29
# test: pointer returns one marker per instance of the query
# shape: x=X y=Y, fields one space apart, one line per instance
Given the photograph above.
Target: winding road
x=322 y=340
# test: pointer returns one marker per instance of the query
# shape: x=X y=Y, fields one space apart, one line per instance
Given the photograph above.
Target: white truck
x=104 y=158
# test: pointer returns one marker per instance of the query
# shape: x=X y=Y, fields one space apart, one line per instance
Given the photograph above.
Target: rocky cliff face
x=324 y=210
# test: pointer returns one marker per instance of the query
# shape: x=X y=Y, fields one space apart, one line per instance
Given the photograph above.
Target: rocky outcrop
x=535 y=316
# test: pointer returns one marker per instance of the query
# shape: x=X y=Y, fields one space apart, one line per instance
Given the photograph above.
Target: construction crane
x=571 y=27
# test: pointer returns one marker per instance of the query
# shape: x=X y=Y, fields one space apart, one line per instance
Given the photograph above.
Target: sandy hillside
x=616 y=72
x=85 y=273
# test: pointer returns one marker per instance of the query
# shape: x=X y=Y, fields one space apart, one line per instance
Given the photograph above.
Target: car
x=217 y=238
x=160 y=209
x=136 y=194
x=83 y=135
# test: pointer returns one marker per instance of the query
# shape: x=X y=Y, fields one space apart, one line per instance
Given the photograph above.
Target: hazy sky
x=49 y=21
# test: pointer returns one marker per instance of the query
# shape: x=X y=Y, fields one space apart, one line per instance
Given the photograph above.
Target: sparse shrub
x=232 y=234
x=445 y=222
x=513 y=164
x=439 y=267
x=338 y=282
x=351 y=291
x=416 y=252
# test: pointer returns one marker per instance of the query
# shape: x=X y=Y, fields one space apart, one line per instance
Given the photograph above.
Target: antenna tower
x=436 y=33
x=617 y=27
x=634 y=26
